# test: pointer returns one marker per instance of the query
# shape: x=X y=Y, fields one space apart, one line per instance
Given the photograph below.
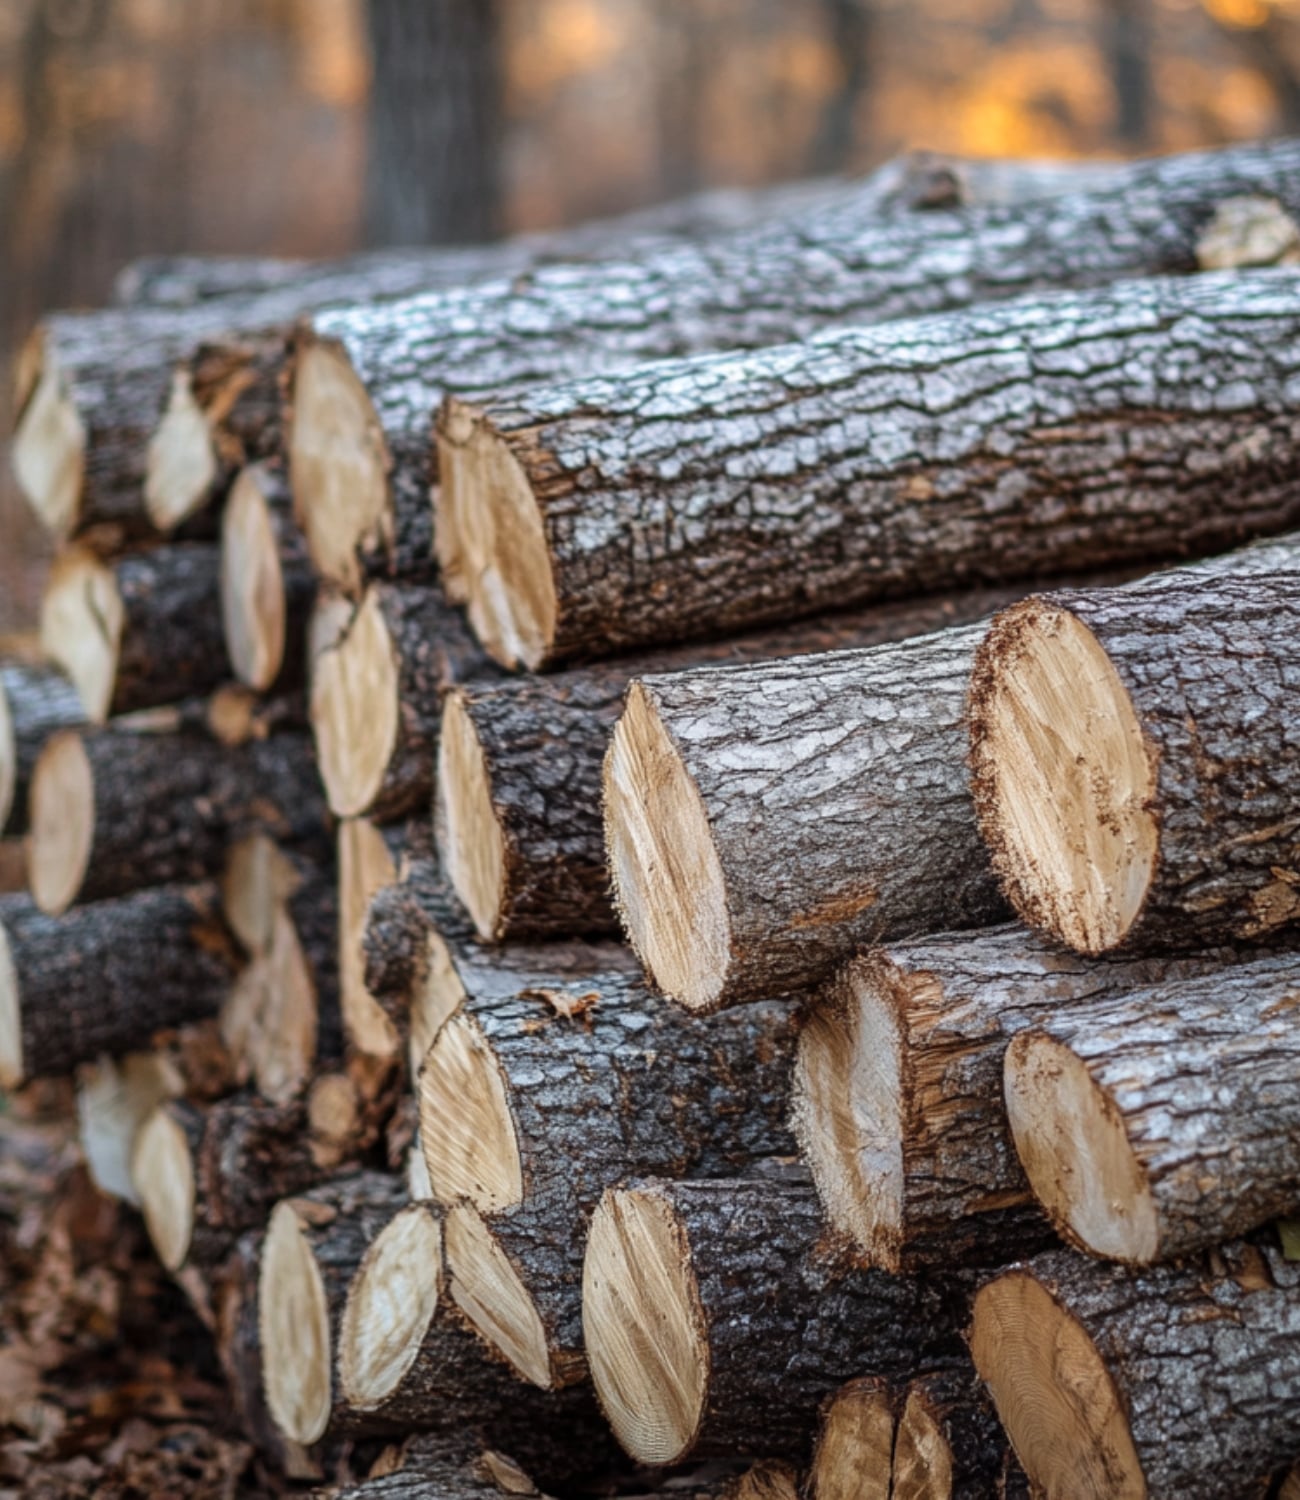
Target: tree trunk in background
x=434 y=121
x=849 y=26
x=1126 y=42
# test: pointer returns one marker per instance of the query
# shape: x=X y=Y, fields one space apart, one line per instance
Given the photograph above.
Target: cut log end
x=354 y=710
x=923 y=1457
x=338 y=463
x=1053 y=1393
x=1063 y=779
x=1076 y=1152
x=487 y=1289
x=472 y=843
x=82 y=617
x=438 y=996
x=49 y=446
x=667 y=875
x=491 y=540
x=259 y=878
x=470 y=1145
x=294 y=1330
x=391 y=1303
x=62 y=815
x=365 y=866
x=11 y=1018
x=644 y=1326
x=181 y=463
x=854 y=1453
x=162 y=1170
x=8 y=758
x=253 y=609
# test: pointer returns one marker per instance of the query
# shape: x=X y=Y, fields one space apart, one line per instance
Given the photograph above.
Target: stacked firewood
x=650 y=852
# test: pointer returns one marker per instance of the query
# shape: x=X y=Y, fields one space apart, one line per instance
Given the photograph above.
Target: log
x=36 y=701
x=367 y=378
x=366 y=865
x=376 y=699
x=950 y=1444
x=664 y=504
x=137 y=631
x=1176 y=1381
x=695 y=1292
x=897 y=1091
x=104 y=978
x=1155 y=1122
x=1148 y=807
x=115 y=811
x=854 y=1452
x=268 y=588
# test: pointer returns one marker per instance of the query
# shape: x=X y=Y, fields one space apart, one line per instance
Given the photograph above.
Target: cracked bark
x=36 y=701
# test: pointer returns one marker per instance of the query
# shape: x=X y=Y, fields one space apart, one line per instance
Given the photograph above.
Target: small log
x=1128 y=804
x=115 y=1096
x=366 y=866
x=950 y=1444
x=139 y=631
x=854 y=1452
x=694 y=1292
x=1155 y=1122
x=104 y=978
x=1112 y=1382
x=114 y=811
x=376 y=699
x=36 y=701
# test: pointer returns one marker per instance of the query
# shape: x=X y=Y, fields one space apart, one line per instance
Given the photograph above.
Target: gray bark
x=39 y=700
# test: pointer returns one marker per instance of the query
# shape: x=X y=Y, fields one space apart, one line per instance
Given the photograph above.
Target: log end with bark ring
x=257 y=881
x=8 y=758
x=162 y=1170
x=644 y=1326
x=471 y=841
x=470 y=1144
x=491 y=539
x=49 y=445
x=923 y=1456
x=391 y=1303
x=487 y=1289
x=853 y=1458
x=62 y=816
x=1063 y=778
x=338 y=464
x=293 y=1326
x=365 y=866
x=1076 y=1152
x=1053 y=1393
x=355 y=710
x=12 y=1062
x=253 y=607
x=668 y=882
x=82 y=618
x=181 y=461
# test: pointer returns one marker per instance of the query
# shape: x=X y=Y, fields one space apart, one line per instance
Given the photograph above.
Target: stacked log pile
x=645 y=885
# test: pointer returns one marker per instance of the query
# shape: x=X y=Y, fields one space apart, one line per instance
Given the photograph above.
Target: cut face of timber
x=1054 y=1394
x=1070 y=776
x=181 y=464
x=259 y=878
x=667 y=875
x=855 y=1444
x=11 y=1018
x=62 y=822
x=473 y=845
x=115 y=1097
x=338 y=463
x=392 y=1302
x=470 y=1145
x=486 y=1288
x=354 y=710
x=49 y=447
x=643 y=1321
x=163 y=1172
x=365 y=866
x=8 y=757
x=922 y=1455
x=294 y=1330
x=82 y=616
x=252 y=586
x=491 y=541
x=439 y=995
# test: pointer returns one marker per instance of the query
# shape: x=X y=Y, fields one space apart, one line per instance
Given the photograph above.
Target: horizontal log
x=36 y=701
x=854 y=1451
x=366 y=866
x=1176 y=1381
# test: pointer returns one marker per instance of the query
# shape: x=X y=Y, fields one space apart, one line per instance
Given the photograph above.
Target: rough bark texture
x=989 y=444
x=104 y=978
x=947 y=1427
x=937 y=1015
x=765 y=286
x=1203 y=1362
x=38 y=700
x=1201 y=1074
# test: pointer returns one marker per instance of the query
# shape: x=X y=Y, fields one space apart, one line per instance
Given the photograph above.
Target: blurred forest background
x=314 y=127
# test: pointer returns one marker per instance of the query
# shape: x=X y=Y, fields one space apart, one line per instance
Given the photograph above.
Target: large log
x=853 y=1455
x=104 y=978
x=1155 y=1122
x=36 y=701
x=1134 y=759
x=897 y=1090
x=718 y=1318
x=1174 y=1383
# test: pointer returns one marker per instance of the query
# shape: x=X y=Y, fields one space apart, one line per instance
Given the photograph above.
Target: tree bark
x=665 y=503
x=1173 y=1382
x=36 y=701
x=950 y=1444
x=854 y=1452
x=1155 y=1122
x=104 y=978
